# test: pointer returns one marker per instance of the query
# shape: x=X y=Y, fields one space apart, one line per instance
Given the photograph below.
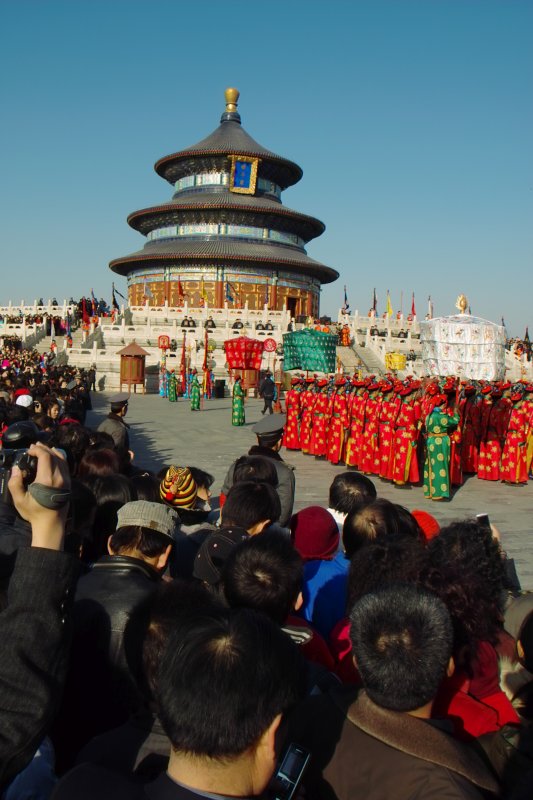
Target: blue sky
x=412 y=121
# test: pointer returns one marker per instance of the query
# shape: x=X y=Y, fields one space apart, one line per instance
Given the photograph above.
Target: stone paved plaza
x=163 y=433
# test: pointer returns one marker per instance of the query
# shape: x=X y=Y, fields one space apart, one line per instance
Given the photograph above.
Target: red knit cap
x=314 y=533
x=427 y=522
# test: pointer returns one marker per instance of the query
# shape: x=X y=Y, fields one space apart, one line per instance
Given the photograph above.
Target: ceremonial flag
x=389 y=305
x=84 y=314
x=181 y=293
x=413 y=309
x=503 y=323
x=375 y=303
x=114 y=301
x=346 y=306
x=229 y=296
x=68 y=326
x=93 y=303
x=116 y=291
x=430 y=308
x=266 y=294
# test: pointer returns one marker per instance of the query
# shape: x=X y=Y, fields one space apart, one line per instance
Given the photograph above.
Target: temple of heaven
x=225 y=237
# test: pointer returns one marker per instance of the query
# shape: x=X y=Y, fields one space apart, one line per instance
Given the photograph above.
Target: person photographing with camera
x=35 y=625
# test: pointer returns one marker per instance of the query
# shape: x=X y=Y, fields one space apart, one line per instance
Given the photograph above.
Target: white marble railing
x=359 y=322
x=219 y=315
x=34 y=309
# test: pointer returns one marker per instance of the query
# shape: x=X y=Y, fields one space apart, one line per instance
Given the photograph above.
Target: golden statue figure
x=462 y=303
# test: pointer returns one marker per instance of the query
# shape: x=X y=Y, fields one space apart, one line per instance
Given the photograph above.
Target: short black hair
x=350 y=491
x=402 y=640
x=163 y=608
x=201 y=477
x=377 y=520
x=255 y=468
x=264 y=573
x=134 y=537
x=224 y=677
x=385 y=563
x=248 y=503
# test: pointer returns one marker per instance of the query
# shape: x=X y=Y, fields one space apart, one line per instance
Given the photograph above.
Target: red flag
x=206 y=347
x=180 y=289
x=84 y=314
x=413 y=309
x=183 y=367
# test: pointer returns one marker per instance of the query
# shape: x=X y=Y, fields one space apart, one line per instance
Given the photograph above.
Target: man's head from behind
x=225 y=679
x=264 y=573
x=350 y=491
x=251 y=506
x=402 y=642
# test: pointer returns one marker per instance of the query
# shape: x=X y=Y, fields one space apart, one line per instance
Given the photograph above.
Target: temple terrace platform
x=163 y=433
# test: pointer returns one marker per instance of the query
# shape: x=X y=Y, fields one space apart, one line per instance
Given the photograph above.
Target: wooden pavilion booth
x=133 y=367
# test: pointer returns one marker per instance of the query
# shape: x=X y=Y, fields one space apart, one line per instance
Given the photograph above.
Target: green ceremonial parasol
x=310 y=349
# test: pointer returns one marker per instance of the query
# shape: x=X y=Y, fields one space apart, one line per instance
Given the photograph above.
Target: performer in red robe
x=390 y=406
x=369 y=459
x=494 y=424
x=405 y=467
x=291 y=438
x=356 y=421
x=318 y=444
x=307 y=401
x=528 y=404
x=338 y=422
x=470 y=411
x=514 y=455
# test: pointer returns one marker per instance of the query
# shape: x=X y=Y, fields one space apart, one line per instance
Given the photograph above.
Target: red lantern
x=269 y=345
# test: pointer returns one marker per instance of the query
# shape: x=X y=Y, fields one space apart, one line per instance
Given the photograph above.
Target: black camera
x=15 y=458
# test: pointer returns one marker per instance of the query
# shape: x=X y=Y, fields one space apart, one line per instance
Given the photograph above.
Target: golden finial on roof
x=462 y=303
x=232 y=99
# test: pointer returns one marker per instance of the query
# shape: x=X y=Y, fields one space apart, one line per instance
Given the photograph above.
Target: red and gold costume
x=318 y=444
x=406 y=431
x=390 y=406
x=528 y=403
x=369 y=458
x=291 y=438
x=356 y=421
x=494 y=423
x=470 y=411
x=514 y=455
x=338 y=422
x=307 y=402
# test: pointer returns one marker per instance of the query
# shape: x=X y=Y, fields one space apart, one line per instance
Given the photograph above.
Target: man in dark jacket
x=36 y=625
x=381 y=741
x=267 y=390
x=117 y=428
x=101 y=689
x=269 y=432
x=225 y=679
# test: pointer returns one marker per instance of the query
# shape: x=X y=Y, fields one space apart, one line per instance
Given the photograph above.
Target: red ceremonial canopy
x=244 y=352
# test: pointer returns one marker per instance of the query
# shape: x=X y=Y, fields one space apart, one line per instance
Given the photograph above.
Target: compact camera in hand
x=15 y=458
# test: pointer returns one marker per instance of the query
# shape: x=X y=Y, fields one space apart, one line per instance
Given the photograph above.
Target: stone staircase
x=371 y=364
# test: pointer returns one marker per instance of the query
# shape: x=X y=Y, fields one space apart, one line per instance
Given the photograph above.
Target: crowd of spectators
x=156 y=647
